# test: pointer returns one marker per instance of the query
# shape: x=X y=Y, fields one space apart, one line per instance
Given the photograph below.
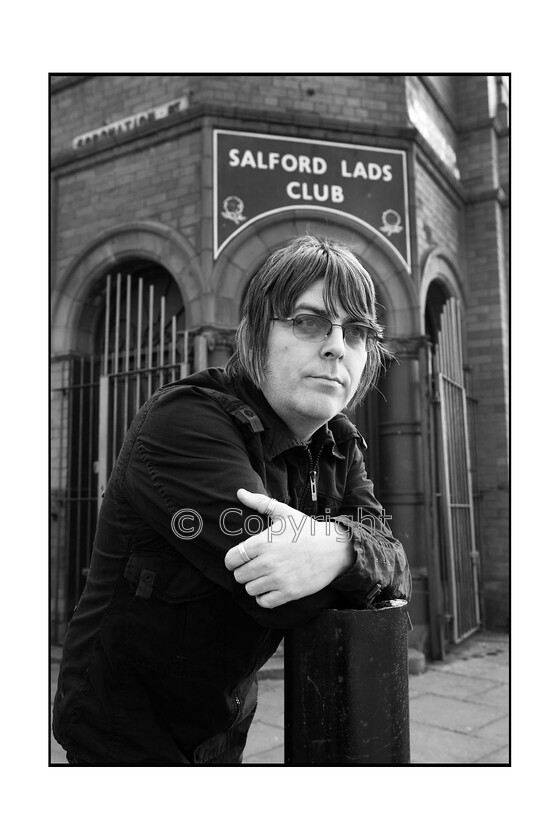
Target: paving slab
x=497 y=731
x=270 y=707
x=501 y=756
x=481 y=668
x=268 y=757
x=498 y=696
x=449 y=713
x=449 y=684
x=264 y=745
x=433 y=745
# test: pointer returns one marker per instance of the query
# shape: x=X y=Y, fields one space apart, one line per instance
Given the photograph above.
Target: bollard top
x=390 y=604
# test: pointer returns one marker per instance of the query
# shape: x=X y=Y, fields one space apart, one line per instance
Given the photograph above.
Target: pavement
x=459 y=707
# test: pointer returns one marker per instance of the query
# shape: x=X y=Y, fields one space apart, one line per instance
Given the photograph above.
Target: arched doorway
x=142 y=344
x=456 y=591
x=132 y=331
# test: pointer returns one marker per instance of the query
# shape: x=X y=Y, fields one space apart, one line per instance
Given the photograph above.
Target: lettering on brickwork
x=127 y=124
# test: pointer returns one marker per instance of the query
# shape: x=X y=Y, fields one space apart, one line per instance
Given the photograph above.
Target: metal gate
x=142 y=351
x=458 y=552
x=94 y=400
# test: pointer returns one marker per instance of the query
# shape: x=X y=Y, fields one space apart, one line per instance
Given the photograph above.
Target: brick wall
x=438 y=216
x=482 y=155
x=97 y=99
x=446 y=90
x=160 y=182
x=87 y=105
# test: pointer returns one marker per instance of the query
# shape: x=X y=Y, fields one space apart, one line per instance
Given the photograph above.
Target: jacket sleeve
x=380 y=570
x=186 y=464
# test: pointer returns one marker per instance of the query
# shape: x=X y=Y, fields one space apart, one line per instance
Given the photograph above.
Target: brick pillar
x=60 y=380
x=402 y=468
x=482 y=149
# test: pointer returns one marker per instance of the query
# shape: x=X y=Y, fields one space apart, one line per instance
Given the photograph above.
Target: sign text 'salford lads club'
x=256 y=175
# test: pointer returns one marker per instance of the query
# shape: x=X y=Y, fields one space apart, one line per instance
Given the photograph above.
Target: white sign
x=432 y=134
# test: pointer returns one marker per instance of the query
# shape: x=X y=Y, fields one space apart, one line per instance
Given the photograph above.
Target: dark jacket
x=160 y=657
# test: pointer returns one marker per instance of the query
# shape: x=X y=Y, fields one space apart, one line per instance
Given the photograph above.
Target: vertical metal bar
x=442 y=340
x=446 y=495
x=448 y=338
x=116 y=368
x=473 y=553
x=62 y=547
x=455 y=343
x=117 y=322
x=161 y=339
x=454 y=440
x=435 y=594
x=139 y=343
x=450 y=335
x=69 y=464
x=102 y=437
x=126 y=355
x=150 y=337
x=467 y=583
x=107 y=322
x=92 y=463
x=458 y=376
x=80 y=455
x=173 y=352
x=185 y=361
x=456 y=462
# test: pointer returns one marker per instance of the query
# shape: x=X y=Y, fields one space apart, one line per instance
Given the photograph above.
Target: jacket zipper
x=238 y=709
x=312 y=478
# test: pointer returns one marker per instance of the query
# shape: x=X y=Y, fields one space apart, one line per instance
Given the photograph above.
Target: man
x=239 y=506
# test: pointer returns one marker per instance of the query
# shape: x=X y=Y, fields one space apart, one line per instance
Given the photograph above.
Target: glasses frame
x=372 y=339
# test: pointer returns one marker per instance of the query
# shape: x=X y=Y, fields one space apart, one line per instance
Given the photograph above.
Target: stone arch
x=152 y=241
x=438 y=265
x=440 y=280
x=246 y=253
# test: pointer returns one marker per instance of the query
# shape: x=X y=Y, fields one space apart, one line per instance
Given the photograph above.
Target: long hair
x=280 y=282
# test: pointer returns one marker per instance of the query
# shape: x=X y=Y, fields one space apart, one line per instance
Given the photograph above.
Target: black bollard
x=346 y=688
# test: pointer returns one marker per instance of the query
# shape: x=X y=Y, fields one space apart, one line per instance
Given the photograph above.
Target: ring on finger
x=242 y=550
x=270 y=507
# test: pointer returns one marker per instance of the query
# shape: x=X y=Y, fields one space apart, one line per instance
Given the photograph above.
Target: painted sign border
x=399 y=152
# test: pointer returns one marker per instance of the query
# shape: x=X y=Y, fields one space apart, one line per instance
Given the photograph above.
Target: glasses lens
x=356 y=335
x=311 y=327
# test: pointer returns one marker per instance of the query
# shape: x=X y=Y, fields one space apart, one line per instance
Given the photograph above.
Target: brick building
x=168 y=192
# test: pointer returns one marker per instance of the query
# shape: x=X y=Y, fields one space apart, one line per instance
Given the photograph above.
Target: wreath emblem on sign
x=391 y=222
x=233 y=209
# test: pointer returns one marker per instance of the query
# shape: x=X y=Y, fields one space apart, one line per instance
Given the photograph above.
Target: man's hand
x=296 y=556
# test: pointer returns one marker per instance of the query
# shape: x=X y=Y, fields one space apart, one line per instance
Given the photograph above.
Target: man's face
x=308 y=382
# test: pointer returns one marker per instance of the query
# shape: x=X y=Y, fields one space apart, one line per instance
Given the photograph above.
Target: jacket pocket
x=175 y=618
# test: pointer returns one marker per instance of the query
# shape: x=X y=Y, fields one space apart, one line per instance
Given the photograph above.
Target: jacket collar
x=276 y=437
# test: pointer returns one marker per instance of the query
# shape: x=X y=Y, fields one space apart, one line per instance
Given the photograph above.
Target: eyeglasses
x=317 y=328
